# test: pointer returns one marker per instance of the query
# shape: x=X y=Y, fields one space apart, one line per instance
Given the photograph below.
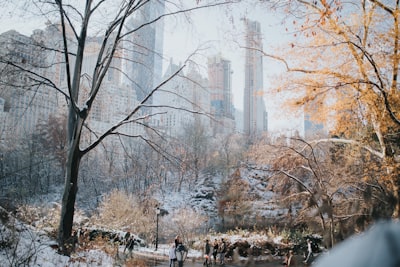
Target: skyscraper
x=220 y=84
x=254 y=113
x=184 y=92
x=25 y=102
x=144 y=49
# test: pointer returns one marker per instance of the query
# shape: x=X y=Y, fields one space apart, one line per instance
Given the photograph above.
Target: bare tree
x=321 y=184
x=75 y=22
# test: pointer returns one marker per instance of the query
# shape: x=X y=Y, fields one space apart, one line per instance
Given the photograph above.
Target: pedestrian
x=130 y=245
x=207 y=253
x=172 y=255
x=215 y=251
x=310 y=255
x=222 y=251
x=126 y=237
x=181 y=252
x=289 y=259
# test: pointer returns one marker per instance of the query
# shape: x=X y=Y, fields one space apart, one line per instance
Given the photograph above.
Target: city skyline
x=213 y=31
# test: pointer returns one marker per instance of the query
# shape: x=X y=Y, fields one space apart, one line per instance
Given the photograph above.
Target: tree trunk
x=65 y=241
x=68 y=201
x=332 y=232
x=74 y=130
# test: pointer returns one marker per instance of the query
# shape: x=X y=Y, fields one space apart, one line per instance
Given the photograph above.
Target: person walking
x=207 y=253
x=181 y=252
x=310 y=255
x=130 y=245
x=289 y=259
x=172 y=255
x=222 y=251
x=215 y=251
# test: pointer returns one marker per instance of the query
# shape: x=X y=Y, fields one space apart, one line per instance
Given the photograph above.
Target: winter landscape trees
x=341 y=71
x=82 y=87
x=342 y=68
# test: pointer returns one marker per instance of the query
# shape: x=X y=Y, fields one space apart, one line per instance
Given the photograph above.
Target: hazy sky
x=221 y=30
x=207 y=32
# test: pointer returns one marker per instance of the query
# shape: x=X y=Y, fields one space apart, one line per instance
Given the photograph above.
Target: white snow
x=20 y=243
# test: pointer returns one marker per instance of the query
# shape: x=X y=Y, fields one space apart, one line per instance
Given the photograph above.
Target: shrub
x=121 y=211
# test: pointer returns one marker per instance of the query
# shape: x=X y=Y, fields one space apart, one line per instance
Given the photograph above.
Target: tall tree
x=344 y=61
x=77 y=21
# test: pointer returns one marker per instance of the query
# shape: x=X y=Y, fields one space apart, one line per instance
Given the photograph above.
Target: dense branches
x=344 y=67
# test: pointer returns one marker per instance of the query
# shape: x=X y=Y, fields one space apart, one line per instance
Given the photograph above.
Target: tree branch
x=128 y=117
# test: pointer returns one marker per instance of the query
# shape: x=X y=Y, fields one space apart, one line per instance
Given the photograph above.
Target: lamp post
x=157 y=214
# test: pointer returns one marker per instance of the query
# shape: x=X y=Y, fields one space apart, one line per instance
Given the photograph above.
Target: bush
x=121 y=211
x=40 y=217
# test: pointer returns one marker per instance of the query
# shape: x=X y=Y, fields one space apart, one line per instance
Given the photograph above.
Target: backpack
x=180 y=248
x=181 y=252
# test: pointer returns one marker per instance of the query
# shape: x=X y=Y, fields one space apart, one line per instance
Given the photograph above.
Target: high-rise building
x=200 y=96
x=25 y=101
x=144 y=49
x=220 y=84
x=254 y=111
x=184 y=101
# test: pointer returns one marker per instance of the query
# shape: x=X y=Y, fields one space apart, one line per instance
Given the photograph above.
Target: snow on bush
x=25 y=245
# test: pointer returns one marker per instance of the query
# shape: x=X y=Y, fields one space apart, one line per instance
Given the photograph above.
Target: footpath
x=159 y=258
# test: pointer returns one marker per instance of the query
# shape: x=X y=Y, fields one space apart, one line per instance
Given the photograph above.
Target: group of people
x=177 y=252
x=216 y=249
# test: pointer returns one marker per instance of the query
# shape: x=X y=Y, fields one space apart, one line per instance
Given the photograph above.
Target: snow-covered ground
x=24 y=245
x=21 y=244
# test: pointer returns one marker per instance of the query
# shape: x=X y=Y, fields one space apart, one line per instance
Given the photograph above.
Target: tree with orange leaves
x=345 y=63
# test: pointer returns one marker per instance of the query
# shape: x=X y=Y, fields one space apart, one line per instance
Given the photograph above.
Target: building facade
x=255 y=119
x=143 y=51
x=182 y=102
x=27 y=101
x=220 y=84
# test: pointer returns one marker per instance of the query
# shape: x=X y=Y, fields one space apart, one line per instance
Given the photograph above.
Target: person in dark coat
x=207 y=253
x=130 y=245
x=222 y=251
x=181 y=252
x=215 y=251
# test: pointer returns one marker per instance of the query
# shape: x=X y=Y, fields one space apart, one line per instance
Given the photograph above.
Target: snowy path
x=191 y=264
x=159 y=259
